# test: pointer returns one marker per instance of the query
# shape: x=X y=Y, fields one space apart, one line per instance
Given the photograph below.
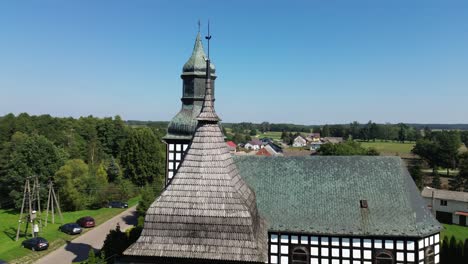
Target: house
x=231 y=146
x=450 y=207
x=270 y=149
x=299 y=141
x=313 y=137
x=314 y=146
x=254 y=144
x=280 y=210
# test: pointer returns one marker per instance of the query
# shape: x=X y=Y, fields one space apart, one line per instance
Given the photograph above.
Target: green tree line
x=89 y=159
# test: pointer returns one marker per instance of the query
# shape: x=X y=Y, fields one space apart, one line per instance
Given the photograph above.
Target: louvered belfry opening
x=207 y=212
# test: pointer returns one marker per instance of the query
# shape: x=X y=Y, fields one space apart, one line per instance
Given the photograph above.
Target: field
x=460 y=232
x=11 y=249
x=390 y=148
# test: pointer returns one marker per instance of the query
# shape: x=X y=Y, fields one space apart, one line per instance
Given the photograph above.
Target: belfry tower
x=183 y=125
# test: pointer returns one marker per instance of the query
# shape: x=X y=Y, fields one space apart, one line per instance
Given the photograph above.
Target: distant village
x=302 y=145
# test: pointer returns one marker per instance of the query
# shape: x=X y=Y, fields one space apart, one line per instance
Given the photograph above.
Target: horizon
x=296 y=63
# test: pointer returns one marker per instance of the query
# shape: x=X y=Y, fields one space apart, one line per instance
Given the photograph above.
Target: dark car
x=86 y=221
x=36 y=243
x=117 y=204
x=71 y=228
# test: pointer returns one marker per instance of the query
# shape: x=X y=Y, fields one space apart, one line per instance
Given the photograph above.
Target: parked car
x=86 y=221
x=36 y=243
x=71 y=228
x=117 y=204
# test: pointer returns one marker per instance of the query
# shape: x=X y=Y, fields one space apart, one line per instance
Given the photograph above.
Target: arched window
x=429 y=256
x=300 y=255
x=383 y=257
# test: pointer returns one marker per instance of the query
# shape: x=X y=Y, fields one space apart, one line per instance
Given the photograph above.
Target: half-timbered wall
x=352 y=250
x=175 y=154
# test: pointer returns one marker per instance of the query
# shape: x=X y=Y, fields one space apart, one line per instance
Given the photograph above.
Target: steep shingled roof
x=322 y=194
x=196 y=64
x=208 y=211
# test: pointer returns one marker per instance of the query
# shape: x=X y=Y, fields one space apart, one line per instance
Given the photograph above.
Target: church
x=217 y=208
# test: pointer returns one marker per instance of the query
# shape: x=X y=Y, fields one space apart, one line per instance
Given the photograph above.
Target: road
x=77 y=250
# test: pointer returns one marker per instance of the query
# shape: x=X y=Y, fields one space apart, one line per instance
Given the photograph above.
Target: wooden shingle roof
x=208 y=211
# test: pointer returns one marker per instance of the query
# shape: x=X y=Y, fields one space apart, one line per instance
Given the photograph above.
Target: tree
x=403 y=132
x=143 y=157
x=26 y=156
x=449 y=143
x=436 y=181
x=325 y=132
x=114 y=173
x=417 y=174
x=346 y=148
x=461 y=183
x=253 y=132
x=428 y=151
x=72 y=181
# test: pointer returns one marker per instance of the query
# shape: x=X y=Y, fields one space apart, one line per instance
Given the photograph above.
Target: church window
x=429 y=256
x=300 y=256
x=384 y=257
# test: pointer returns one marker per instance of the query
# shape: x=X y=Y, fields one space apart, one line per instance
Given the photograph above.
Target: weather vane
x=208 y=38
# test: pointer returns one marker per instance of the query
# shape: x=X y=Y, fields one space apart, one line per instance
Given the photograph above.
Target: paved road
x=77 y=250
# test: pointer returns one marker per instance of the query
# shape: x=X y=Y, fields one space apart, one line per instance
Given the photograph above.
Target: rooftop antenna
x=208 y=37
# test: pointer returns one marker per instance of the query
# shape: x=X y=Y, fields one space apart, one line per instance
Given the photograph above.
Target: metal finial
x=199 y=25
x=208 y=37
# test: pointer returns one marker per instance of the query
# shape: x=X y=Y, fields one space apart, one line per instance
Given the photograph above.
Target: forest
x=90 y=160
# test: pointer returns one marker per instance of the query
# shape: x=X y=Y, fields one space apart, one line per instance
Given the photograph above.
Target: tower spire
x=208 y=112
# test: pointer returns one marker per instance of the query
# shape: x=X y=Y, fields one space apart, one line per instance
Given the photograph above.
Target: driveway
x=77 y=250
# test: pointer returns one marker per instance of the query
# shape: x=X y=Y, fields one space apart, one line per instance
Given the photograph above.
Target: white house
x=299 y=141
x=449 y=207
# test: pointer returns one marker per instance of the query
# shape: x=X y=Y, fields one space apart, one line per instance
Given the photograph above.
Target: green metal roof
x=183 y=125
x=196 y=65
x=322 y=194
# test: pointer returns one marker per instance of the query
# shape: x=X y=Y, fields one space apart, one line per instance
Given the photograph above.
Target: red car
x=86 y=221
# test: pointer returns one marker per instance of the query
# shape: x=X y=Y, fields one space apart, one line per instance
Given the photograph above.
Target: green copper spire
x=196 y=64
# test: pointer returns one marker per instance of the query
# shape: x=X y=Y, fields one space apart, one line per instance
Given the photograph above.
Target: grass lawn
x=460 y=232
x=11 y=249
x=390 y=148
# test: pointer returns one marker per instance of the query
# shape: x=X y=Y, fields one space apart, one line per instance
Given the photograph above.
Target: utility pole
x=26 y=197
x=52 y=202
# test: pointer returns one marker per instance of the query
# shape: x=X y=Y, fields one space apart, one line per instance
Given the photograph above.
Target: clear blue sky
x=309 y=62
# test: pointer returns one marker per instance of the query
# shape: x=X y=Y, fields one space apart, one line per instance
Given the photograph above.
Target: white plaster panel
x=273 y=248
x=335 y=241
x=367 y=254
x=170 y=174
x=335 y=261
x=356 y=242
x=171 y=165
x=284 y=260
x=171 y=147
x=410 y=245
x=324 y=252
x=284 y=239
x=324 y=241
x=335 y=252
x=179 y=147
x=284 y=250
x=426 y=242
x=177 y=165
x=345 y=253
x=274 y=259
x=356 y=262
x=314 y=251
x=400 y=244
x=409 y=256
x=436 y=238
x=345 y=261
x=185 y=147
x=436 y=259
x=431 y=240
x=421 y=254
x=356 y=254
x=345 y=242
x=171 y=156
x=367 y=243
x=436 y=249
x=314 y=261
x=378 y=243
x=274 y=238
x=314 y=240
x=304 y=240
x=178 y=156
x=400 y=256
x=324 y=261
x=294 y=240
x=367 y=262
x=388 y=244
